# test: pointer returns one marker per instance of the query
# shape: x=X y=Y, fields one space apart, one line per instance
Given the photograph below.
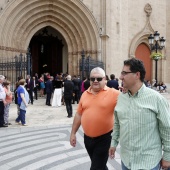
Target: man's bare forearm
x=76 y=123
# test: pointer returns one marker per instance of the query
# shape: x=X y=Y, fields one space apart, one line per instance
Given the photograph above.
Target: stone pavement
x=44 y=143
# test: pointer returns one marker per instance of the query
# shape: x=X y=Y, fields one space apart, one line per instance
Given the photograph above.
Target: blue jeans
x=125 y=168
x=21 y=116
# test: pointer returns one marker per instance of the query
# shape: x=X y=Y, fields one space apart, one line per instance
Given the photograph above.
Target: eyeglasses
x=123 y=73
x=96 y=78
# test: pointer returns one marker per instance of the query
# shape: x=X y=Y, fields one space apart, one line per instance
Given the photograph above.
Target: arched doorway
x=143 y=53
x=48 y=50
x=72 y=19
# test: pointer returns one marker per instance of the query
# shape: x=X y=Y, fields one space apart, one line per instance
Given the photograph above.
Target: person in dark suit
x=36 y=76
x=77 y=89
x=35 y=86
x=68 y=95
x=113 y=83
x=87 y=83
x=29 y=87
x=49 y=90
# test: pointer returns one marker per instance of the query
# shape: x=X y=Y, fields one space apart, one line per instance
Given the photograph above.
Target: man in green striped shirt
x=142 y=122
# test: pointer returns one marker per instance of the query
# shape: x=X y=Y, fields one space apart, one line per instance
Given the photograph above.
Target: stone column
x=70 y=64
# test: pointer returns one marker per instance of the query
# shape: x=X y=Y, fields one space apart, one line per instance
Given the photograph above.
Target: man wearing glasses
x=95 y=114
x=142 y=122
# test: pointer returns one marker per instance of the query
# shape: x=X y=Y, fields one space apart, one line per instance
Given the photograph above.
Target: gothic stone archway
x=20 y=20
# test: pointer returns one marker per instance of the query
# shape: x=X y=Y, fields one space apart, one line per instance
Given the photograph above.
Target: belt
x=102 y=136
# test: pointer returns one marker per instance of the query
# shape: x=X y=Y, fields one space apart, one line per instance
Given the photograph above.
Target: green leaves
x=156 y=56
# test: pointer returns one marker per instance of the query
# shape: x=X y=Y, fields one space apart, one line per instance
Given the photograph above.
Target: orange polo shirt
x=97 y=111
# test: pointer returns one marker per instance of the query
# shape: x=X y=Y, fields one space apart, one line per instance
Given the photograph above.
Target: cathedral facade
x=111 y=31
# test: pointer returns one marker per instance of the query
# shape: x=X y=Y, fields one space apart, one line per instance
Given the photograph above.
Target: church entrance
x=46 y=52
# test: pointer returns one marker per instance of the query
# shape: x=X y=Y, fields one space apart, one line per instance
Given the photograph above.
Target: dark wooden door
x=46 y=53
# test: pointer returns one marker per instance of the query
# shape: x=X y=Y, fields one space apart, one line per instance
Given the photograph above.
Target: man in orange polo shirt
x=95 y=114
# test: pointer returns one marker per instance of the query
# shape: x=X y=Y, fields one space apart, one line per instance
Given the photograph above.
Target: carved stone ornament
x=148 y=10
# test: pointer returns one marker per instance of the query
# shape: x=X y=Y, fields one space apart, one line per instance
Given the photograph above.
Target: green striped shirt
x=142 y=126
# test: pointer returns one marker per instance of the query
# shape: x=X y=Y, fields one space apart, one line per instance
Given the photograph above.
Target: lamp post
x=156 y=44
x=28 y=62
x=83 y=63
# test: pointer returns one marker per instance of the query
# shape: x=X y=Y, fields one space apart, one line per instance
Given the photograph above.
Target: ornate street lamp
x=28 y=62
x=83 y=62
x=156 y=45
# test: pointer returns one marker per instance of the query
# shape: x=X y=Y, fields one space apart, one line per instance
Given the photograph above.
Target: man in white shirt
x=35 y=86
x=2 y=102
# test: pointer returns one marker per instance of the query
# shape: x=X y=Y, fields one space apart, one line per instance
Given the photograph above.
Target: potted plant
x=156 y=56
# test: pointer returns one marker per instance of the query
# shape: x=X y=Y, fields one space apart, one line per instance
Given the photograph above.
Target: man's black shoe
x=3 y=125
x=7 y=124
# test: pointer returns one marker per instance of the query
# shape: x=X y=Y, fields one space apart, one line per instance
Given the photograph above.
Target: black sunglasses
x=96 y=78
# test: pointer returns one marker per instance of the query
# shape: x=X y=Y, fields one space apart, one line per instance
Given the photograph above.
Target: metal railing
x=15 y=67
x=86 y=64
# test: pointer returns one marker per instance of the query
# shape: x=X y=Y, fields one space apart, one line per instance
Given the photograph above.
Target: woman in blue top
x=23 y=99
x=42 y=86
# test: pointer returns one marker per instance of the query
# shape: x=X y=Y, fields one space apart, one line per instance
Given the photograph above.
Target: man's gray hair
x=68 y=77
x=28 y=76
x=98 y=70
x=2 y=77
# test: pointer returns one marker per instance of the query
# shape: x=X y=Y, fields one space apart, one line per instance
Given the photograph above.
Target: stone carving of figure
x=148 y=9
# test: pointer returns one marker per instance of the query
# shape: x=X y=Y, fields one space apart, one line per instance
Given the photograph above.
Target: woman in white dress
x=56 y=102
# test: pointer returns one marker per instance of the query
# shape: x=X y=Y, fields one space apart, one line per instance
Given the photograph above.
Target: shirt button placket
x=131 y=109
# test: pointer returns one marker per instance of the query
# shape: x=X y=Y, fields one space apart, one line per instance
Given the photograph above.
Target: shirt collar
x=104 y=89
x=139 y=92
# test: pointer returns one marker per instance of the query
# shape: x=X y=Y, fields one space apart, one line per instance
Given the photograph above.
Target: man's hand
x=5 y=103
x=112 y=152
x=75 y=127
x=165 y=164
x=73 y=140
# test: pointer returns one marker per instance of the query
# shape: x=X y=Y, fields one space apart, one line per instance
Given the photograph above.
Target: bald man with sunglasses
x=95 y=114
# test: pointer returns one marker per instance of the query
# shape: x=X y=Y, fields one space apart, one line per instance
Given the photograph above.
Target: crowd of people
x=59 y=90
x=131 y=114
x=161 y=87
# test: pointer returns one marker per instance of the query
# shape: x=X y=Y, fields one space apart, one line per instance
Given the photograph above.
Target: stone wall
x=106 y=29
